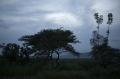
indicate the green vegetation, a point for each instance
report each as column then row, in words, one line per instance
column 68, row 68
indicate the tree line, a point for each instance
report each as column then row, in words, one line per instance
column 43, row 44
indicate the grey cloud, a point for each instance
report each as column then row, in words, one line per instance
column 2, row 24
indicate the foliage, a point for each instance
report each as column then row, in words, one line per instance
column 105, row 54
column 98, row 39
column 10, row 51
column 100, row 48
column 109, row 22
column 25, row 51
column 49, row 41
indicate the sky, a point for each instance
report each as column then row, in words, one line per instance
column 27, row 17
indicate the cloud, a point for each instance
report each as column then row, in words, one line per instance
column 103, row 6
column 57, row 12
column 63, row 19
column 2, row 24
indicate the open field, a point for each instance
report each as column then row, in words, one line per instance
column 67, row 69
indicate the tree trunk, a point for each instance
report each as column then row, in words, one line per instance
column 57, row 60
column 47, row 58
column 51, row 61
column 104, row 63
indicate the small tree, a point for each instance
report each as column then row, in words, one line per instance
column 49, row 41
column 109, row 22
column 10, row 51
column 24, row 52
column 100, row 48
column 99, row 20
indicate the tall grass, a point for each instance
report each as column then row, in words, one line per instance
column 70, row 68
column 20, row 70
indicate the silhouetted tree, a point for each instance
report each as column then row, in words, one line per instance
column 10, row 51
column 49, row 41
column 95, row 47
column 24, row 52
column 100, row 48
column 109, row 22
column 99, row 20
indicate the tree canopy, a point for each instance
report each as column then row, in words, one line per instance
column 49, row 41
column 10, row 51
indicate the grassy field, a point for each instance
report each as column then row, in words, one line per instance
column 67, row 69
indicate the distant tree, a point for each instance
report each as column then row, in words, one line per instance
column 104, row 53
column 10, row 51
column 94, row 43
column 109, row 22
column 24, row 52
column 49, row 41
column 99, row 20
column 100, row 48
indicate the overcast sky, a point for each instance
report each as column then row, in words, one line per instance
column 27, row 17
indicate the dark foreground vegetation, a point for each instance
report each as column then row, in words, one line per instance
column 68, row 69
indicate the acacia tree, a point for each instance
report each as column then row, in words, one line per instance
column 49, row 41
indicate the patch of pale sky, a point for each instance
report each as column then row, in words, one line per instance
column 65, row 19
